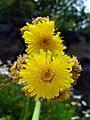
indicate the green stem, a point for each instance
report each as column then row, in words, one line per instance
column 36, row 113
column 26, row 109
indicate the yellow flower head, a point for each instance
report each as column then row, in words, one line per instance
column 76, row 69
column 45, row 75
column 62, row 96
column 17, row 66
column 42, row 35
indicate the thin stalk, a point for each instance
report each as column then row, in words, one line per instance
column 36, row 112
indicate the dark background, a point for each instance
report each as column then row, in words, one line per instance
column 71, row 20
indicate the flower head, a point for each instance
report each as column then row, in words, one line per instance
column 46, row 70
column 42, row 35
column 17, row 66
column 76, row 69
column 46, row 76
column 62, row 96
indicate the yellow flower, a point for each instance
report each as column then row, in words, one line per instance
column 42, row 35
column 76, row 69
column 17, row 66
column 62, row 96
column 35, row 22
column 45, row 75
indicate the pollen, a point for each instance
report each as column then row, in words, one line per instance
column 45, row 42
column 47, row 75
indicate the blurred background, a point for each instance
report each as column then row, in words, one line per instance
column 72, row 18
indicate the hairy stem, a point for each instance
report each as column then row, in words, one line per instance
column 36, row 112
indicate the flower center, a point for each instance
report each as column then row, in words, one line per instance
column 45, row 42
column 47, row 75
